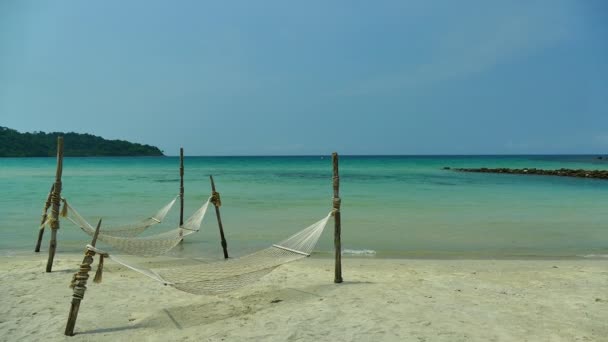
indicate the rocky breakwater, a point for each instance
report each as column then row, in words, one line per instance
column 601, row 174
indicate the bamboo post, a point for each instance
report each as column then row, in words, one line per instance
column 181, row 186
column 79, row 284
column 215, row 199
column 47, row 204
column 337, row 219
column 55, row 202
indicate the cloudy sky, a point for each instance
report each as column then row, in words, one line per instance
column 311, row 77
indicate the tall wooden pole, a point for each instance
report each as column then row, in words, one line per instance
column 217, row 203
column 79, row 283
column 55, row 202
column 47, row 205
column 181, row 186
column 337, row 220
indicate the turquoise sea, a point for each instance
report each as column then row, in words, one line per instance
column 392, row 206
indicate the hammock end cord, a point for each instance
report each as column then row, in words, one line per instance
column 98, row 275
column 102, row 256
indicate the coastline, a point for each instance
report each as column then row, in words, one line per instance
column 381, row 299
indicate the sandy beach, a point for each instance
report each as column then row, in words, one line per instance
column 380, row 300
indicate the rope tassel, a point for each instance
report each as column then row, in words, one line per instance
column 64, row 208
column 99, row 272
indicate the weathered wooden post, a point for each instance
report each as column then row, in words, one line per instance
column 181, row 186
column 55, row 202
column 79, row 283
column 337, row 222
column 47, row 204
column 217, row 203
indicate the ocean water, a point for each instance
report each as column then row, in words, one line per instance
column 392, row 206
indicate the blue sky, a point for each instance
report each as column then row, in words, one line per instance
column 311, row 77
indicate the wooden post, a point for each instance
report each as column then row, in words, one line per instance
column 47, row 204
column 217, row 203
column 79, row 283
column 337, row 220
column 181, row 186
column 181, row 195
column 55, row 202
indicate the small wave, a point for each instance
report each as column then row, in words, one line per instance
column 593, row 256
column 7, row 253
column 359, row 252
column 167, row 180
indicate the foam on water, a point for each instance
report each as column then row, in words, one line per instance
column 359, row 252
column 594, row 256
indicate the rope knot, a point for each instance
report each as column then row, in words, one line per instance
column 102, row 255
column 215, row 199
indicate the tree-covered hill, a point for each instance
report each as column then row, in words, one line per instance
column 41, row 144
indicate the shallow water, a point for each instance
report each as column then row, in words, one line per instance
column 402, row 206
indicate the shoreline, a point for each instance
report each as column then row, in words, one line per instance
column 367, row 254
column 380, row 299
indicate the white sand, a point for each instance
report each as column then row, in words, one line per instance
column 381, row 300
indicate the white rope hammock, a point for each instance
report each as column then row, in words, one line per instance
column 127, row 230
column 152, row 245
column 230, row 274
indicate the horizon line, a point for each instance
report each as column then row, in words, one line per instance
column 392, row 155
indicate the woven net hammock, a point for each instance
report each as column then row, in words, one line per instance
column 127, row 230
column 152, row 245
column 223, row 276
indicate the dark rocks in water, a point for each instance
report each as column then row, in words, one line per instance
column 600, row 157
column 601, row 174
column 447, row 168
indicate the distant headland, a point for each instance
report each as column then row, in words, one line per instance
column 602, row 174
column 41, row 144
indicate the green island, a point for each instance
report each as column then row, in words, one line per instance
column 41, row 144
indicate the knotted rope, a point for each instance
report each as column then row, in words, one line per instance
column 56, row 201
column 47, row 205
column 80, row 278
column 215, row 199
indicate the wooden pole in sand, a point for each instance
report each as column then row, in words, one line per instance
column 79, row 284
column 55, row 202
column 215, row 199
column 337, row 220
column 181, row 186
column 47, row 205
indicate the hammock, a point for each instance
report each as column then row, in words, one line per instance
column 128, row 230
column 223, row 276
column 152, row 245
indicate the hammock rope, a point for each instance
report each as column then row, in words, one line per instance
column 222, row 276
column 128, row 230
column 147, row 246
